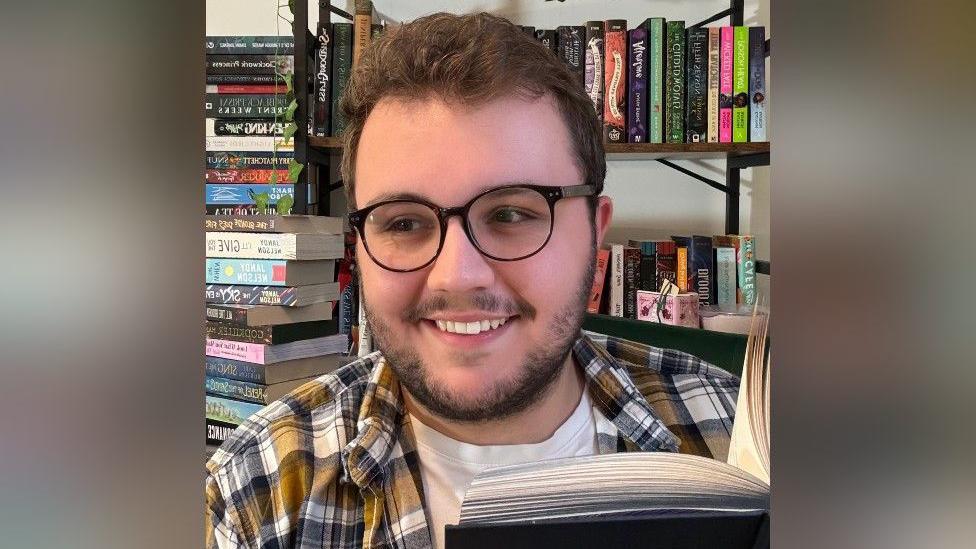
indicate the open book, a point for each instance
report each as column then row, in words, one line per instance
column 628, row 499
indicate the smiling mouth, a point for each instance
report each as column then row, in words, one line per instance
column 470, row 328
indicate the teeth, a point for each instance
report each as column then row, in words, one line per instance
column 470, row 328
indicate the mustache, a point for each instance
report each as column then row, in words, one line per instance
column 486, row 302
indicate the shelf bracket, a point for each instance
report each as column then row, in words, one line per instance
column 748, row 160
column 716, row 17
column 689, row 173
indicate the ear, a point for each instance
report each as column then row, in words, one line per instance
column 604, row 214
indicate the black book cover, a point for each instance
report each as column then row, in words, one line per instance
column 696, row 119
column 701, row 253
column 632, row 281
column 250, row 64
column 244, row 79
column 549, row 39
column 322, row 94
column 570, row 49
column 341, row 67
column 244, row 105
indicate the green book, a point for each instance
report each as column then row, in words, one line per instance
column 655, row 84
column 674, row 83
column 740, row 84
column 341, row 67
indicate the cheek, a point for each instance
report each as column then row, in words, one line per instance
column 387, row 292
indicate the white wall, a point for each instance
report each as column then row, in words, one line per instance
column 650, row 199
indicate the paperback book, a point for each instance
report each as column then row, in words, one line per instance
column 674, row 82
column 274, row 245
column 290, row 296
column 223, row 193
column 279, row 372
column 593, row 59
column 264, row 315
column 615, row 82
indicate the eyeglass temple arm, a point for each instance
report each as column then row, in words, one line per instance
column 578, row 190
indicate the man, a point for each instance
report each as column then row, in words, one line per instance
column 473, row 168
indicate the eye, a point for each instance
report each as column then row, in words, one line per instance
column 508, row 215
column 403, row 225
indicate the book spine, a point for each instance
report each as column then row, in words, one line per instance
column 224, row 313
column 248, row 143
column 701, row 248
column 232, row 126
column 616, row 280
column 233, row 209
column 322, row 90
column 250, row 45
column 725, row 276
column 681, row 268
column 757, row 84
column 250, row 64
column 570, row 44
column 549, row 39
column 696, row 120
column 243, row 177
column 362, row 29
column 593, row 73
column 249, row 79
column 615, row 82
column 674, row 83
column 241, row 105
column 665, row 263
column 725, row 86
column 235, row 369
column 244, row 160
column 218, row 194
column 236, row 389
column 746, row 268
column 632, row 258
column 656, row 82
column 252, row 272
column 714, row 70
column 230, row 410
column 740, row 85
column 250, row 295
column 251, row 245
column 218, row 431
column 637, row 91
column 648, row 267
column 600, row 273
column 246, row 88
column 236, row 350
column 341, row 67
column 270, row 335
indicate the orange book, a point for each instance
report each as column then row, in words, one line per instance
column 682, row 268
column 596, row 293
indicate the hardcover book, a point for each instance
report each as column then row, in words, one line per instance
column 714, row 72
column 648, row 268
column 615, row 82
column 322, row 90
column 221, row 193
column 637, row 90
column 250, row 45
column 602, row 258
column 725, row 271
column 725, row 86
column 665, row 262
column 274, row 245
column 745, row 263
column 362, row 29
column 548, row 39
column 291, row 296
column 271, row 334
column 274, row 373
column 632, row 258
column 570, row 44
column 245, row 160
column 245, row 177
column 269, row 272
column 268, row 354
column 224, row 415
column 740, row 85
column 674, row 83
column 232, row 126
column 268, row 315
column 341, row 68
column 247, row 79
column 696, row 120
column 757, row 84
column 593, row 73
column 246, row 88
column 274, row 224
column 244, row 105
column 248, row 143
column 250, row 64
column 701, row 259
column 684, row 270
column 616, row 301
column 655, row 83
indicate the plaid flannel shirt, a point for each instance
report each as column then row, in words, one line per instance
column 329, row 465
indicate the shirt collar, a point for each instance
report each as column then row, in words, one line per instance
column 607, row 382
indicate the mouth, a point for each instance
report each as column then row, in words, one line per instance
column 470, row 328
column 469, row 333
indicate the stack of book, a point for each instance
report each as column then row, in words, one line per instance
column 245, row 105
column 270, row 296
column 663, row 83
column 706, row 271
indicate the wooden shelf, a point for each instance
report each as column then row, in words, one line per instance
column 626, row 151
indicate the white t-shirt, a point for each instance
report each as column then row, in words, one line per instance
column 447, row 466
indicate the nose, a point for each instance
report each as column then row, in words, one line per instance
column 460, row 267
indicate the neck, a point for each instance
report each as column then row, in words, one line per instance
column 532, row 425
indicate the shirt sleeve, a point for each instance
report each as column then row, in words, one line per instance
column 220, row 530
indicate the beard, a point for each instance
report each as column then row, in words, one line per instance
column 504, row 398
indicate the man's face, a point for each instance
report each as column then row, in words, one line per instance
column 448, row 154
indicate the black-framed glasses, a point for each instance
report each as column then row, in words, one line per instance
column 506, row 223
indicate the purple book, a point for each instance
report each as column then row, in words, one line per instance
column 637, row 91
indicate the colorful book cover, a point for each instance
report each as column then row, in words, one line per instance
column 236, row 389
column 674, row 83
column 665, row 262
column 746, row 268
column 593, row 73
column 632, row 258
column 254, row 272
column 616, row 307
column 637, row 90
column 245, row 177
column 570, row 50
column 740, row 85
column 725, row 276
column 615, row 82
column 655, row 83
column 341, row 68
column 229, row 410
column 228, row 294
column 725, row 86
column 244, row 160
column 681, row 268
column 220, row 193
column 714, row 70
column 757, row 84
column 602, row 258
column 703, row 262
column 696, row 118
column 676, row 310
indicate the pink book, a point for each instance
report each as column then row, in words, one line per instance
column 725, row 87
column 236, row 350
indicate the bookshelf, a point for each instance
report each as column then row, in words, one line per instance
column 318, row 153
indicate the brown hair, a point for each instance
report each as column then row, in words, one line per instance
column 470, row 59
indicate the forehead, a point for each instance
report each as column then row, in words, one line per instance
column 448, row 152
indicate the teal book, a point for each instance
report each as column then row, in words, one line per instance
column 740, row 84
column 725, row 276
column 341, row 67
column 746, row 268
column 655, row 80
column 674, row 83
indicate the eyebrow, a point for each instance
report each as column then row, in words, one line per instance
column 424, row 198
